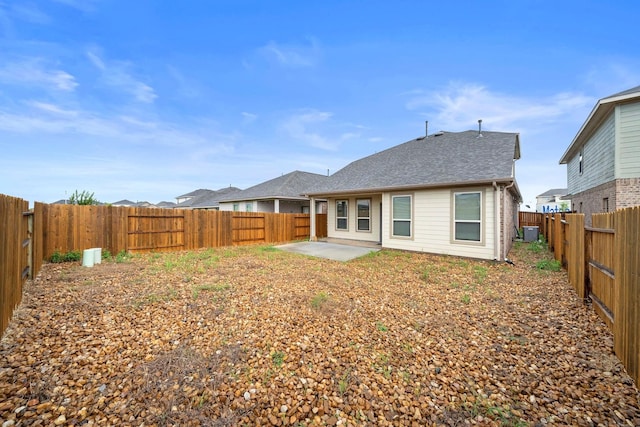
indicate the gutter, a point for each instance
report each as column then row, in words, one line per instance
column 504, row 213
column 496, row 220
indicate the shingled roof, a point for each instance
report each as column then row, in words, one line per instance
column 207, row 198
column 289, row 186
column 441, row 159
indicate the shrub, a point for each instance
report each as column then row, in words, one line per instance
column 551, row 265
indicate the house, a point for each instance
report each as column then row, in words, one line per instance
column 447, row 193
column 206, row 199
column 166, row 205
column 123, row 202
column 281, row 195
column 553, row 201
column 195, row 193
column 603, row 160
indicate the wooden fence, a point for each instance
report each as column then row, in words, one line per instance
column 72, row 227
column 603, row 265
column 14, row 254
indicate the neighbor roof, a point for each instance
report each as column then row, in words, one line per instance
column 600, row 112
column 207, row 198
column 212, row 199
column 194, row 193
column 555, row 192
column 290, row 186
column 441, row 159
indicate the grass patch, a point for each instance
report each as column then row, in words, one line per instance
column 277, row 357
column 70, row 256
column 549, row 265
column 154, row 298
column 209, row 288
column 122, row 256
column 381, row 327
column 319, row 300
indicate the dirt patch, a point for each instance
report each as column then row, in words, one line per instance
column 255, row 336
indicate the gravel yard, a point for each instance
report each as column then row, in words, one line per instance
column 258, row 336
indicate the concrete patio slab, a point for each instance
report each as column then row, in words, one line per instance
column 333, row 251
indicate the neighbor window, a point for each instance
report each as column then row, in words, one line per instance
column 580, row 164
column 236, row 207
column 401, row 216
column 468, row 216
column 248, row 207
column 605, row 204
column 364, row 214
column 341, row 215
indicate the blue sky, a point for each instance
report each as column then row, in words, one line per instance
column 147, row 100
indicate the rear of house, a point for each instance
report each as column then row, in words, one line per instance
column 449, row 193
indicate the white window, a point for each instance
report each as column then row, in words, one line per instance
column 580, row 164
column 401, row 216
column 342, row 215
column 248, row 207
column 364, row 214
column 236, row 207
column 468, row 216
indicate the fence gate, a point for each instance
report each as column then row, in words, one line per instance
column 158, row 232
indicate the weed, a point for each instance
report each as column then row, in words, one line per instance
column 170, row 295
column 122, row 256
column 66, row 257
column 106, row 254
column 381, row 327
column 319, row 299
column 207, row 288
column 551, row 265
column 538, row 246
column 343, row 383
column 466, row 299
column 480, row 273
column 278, row 358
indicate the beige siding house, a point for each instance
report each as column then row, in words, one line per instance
column 283, row 194
column 450, row 193
column 603, row 160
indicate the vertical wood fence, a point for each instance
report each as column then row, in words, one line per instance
column 603, row 265
column 14, row 250
column 72, row 227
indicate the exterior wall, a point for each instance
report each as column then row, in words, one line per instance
column 628, row 147
column 598, row 160
column 432, row 225
column 351, row 233
column 627, row 193
column 510, row 208
column 591, row 201
column 225, row 206
column 293, row 206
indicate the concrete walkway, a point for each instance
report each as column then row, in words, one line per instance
column 333, row 251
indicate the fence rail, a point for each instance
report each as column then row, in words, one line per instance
column 603, row 265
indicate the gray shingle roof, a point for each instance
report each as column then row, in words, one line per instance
column 554, row 192
column 194, row 193
column 444, row 158
column 212, row 199
column 290, row 186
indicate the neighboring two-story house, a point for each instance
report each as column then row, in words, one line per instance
column 553, row 200
column 603, row 160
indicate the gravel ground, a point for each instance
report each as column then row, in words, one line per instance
column 257, row 336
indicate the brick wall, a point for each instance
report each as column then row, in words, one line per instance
column 627, row 192
column 592, row 200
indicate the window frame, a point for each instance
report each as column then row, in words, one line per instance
column 480, row 221
column 248, row 207
column 236, row 207
column 367, row 218
column 394, row 219
column 581, row 162
column 345, row 218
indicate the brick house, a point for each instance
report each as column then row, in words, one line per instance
column 603, row 160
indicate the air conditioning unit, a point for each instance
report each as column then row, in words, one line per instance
column 531, row 233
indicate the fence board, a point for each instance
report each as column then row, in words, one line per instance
column 626, row 327
column 575, row 253
column 530, row 219
column 14, row 248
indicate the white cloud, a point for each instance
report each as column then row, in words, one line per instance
column 34, row 72
column 52, row 108
column 82, row 5
column 248, row 117
column 460, row 105
column 300, row 128
column 293, row 55
column 117, row 74
column 29, row 12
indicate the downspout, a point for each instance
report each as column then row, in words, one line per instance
column 496, row 220
column 312, row 220
column 504, row 213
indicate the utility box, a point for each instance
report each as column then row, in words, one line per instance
column 531, row 233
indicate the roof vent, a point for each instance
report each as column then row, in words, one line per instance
column 479, row 128
column 440, row 133
column 426, row 128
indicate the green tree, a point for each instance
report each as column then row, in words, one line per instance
column 83, row 198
